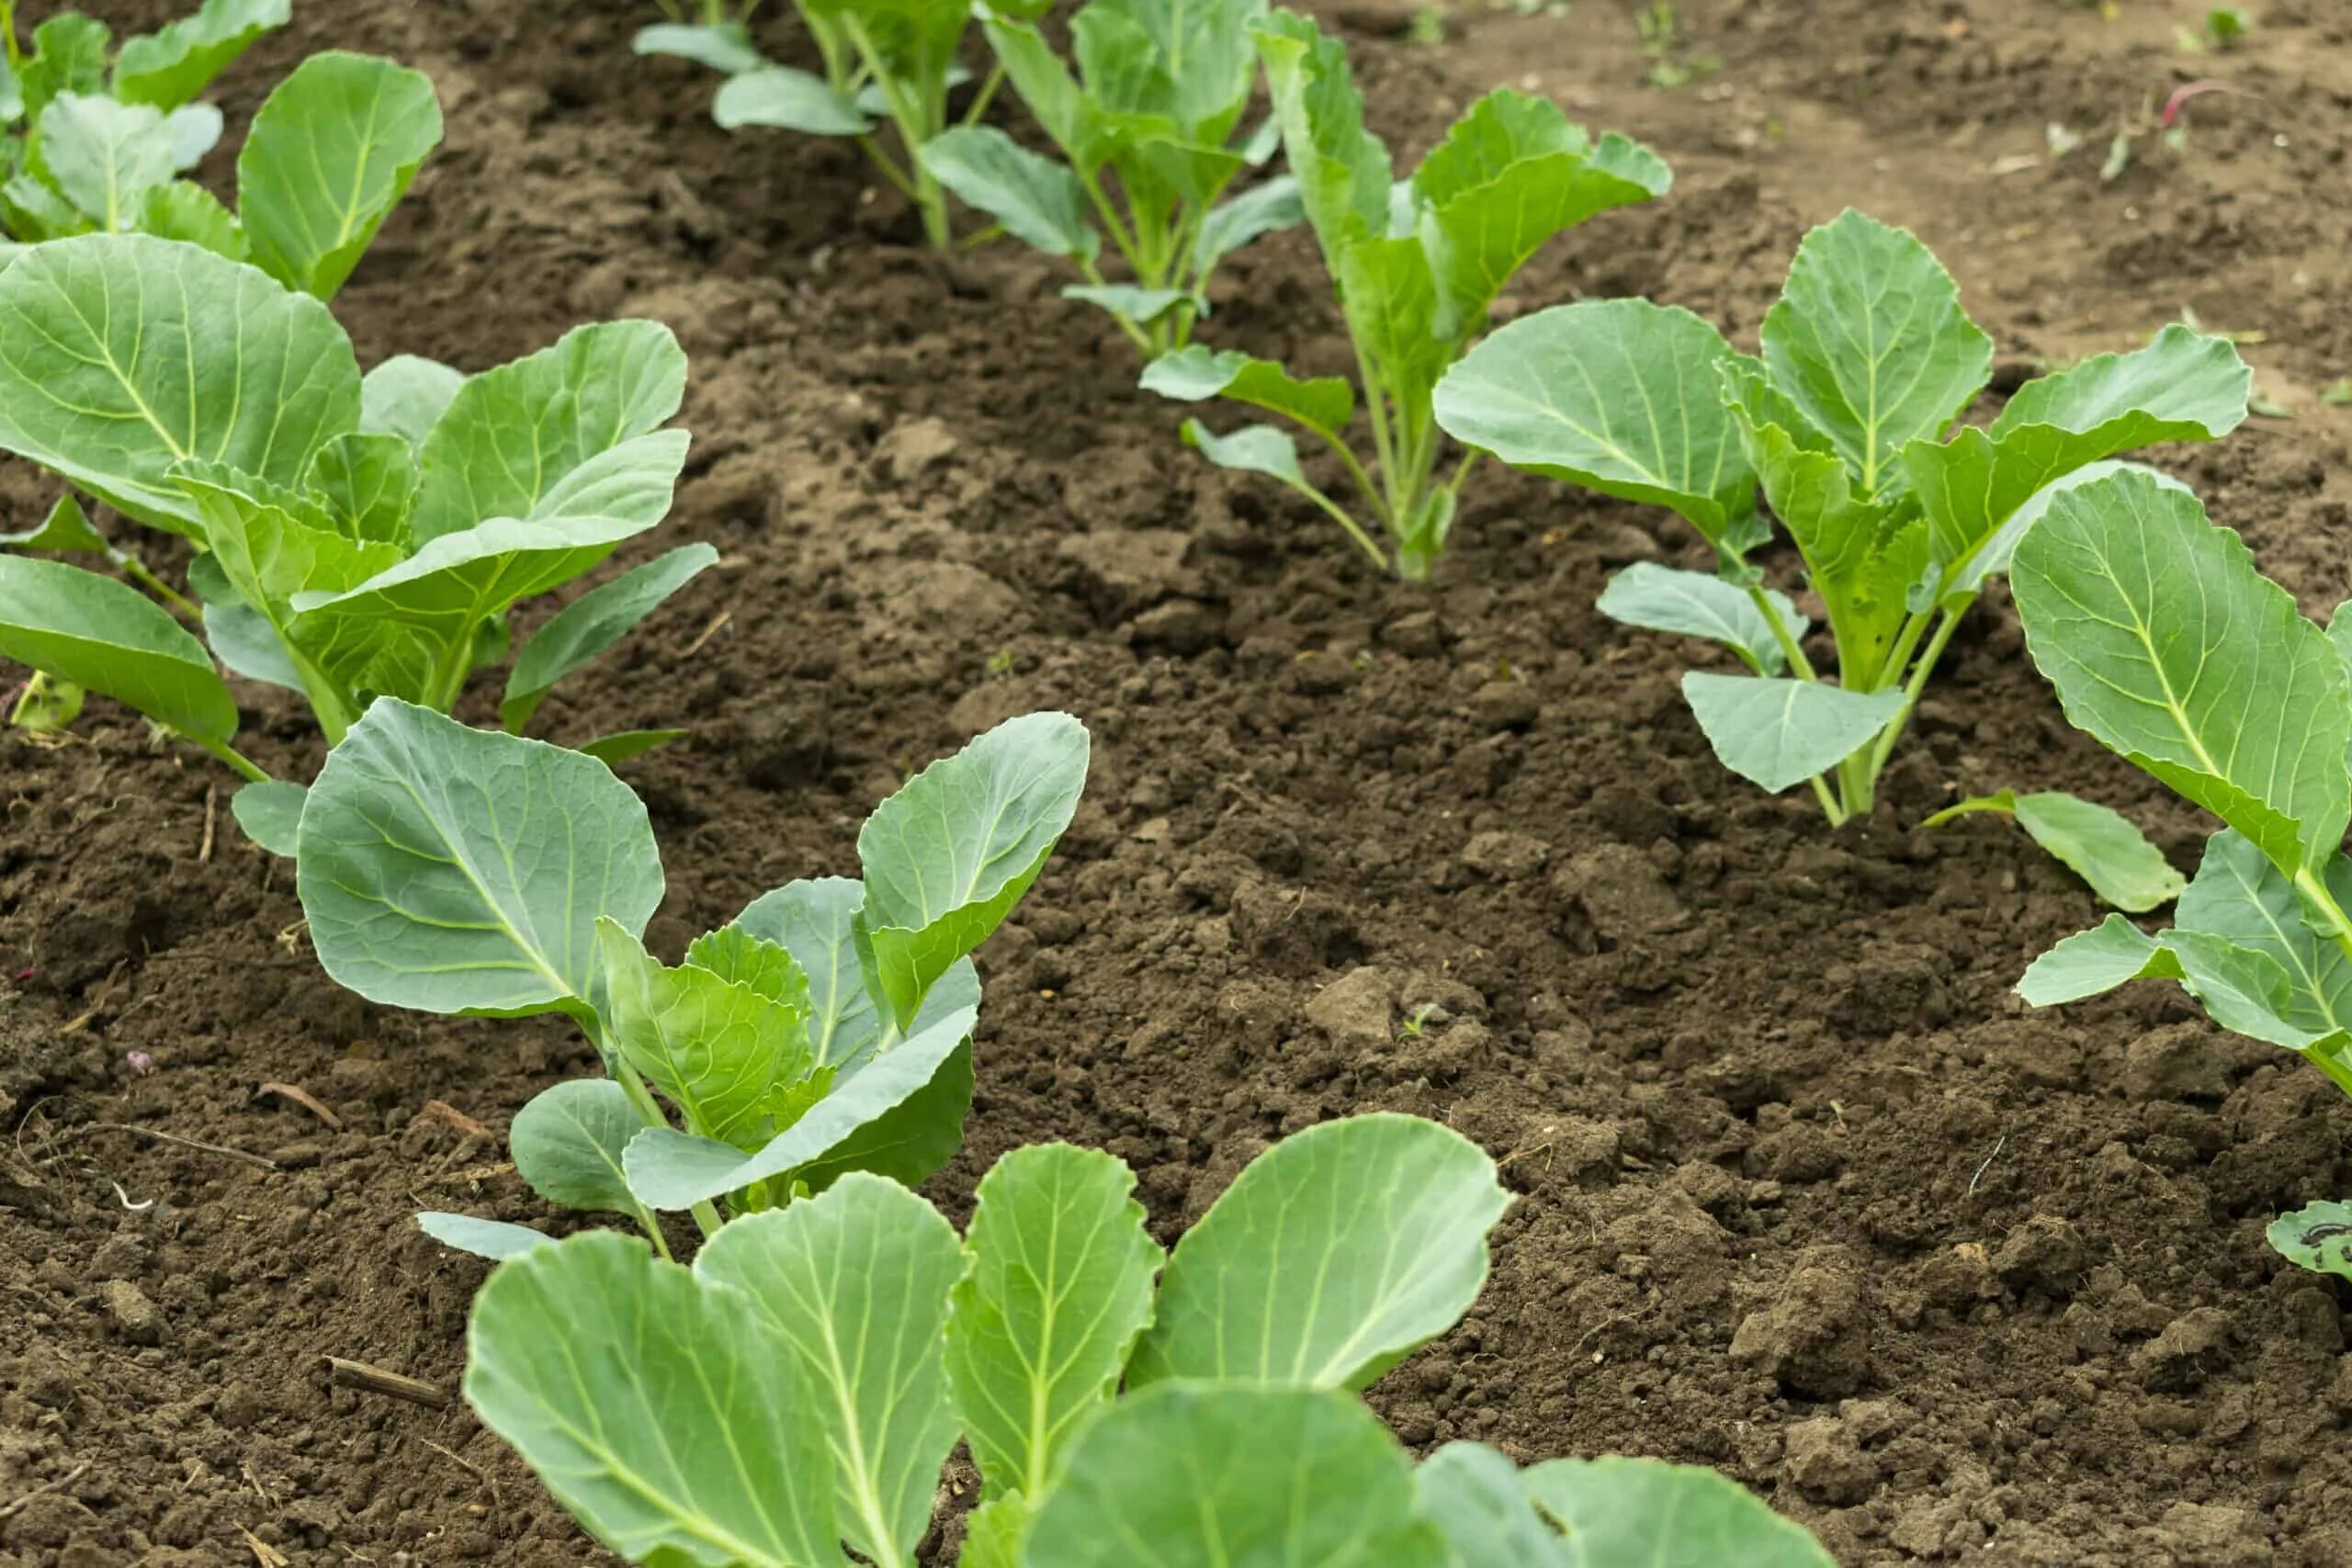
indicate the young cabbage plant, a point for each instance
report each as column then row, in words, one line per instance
column 883, row 61
column 2168, row 647
column 329, row 153
column 826, row 1028
column 1148, row 132
column 1847, row 421
column 1416, row 264
column 360, row 535
column 1193, row 1409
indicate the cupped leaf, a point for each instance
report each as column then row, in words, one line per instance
column 406, row 396
column 1697, row 603
column 1870, row 341
column 1189, row 375
column 122, row 354
column 1039, row 201
column 852, row 1285
column 513, row 437
column 1059, row 1287
column 494, row 1239
column 2097, row 842
column 1620, row 396
column 1474, row 1493
column 1783, row 731
column 659, row 1412
column 718, row 1049
column 593, row 623
column 1333, row 1256
column 567, row 1143
column 186, row 211
column 816, row 921
column 2166, row 645
column 456, row 871
column 948, row 855
column 106, row 156
column 788, row 99
column 1665, row 1516
column 367, row 483
column 2317, row 1236
column 670, row 1169
column 271, row 814
column 331, row 153
column 725, row 47
column 108, row 637
column 1191, row 1475
column 171, row 65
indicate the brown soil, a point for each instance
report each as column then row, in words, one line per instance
column 1806, row 1193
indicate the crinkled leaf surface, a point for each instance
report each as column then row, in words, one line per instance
column 1333, row 1256
column 368, row 483
column 718, row 1049
column 1783, row 731
column 1060, row 1285
column 458, row 870
column 2166, row 645
column 852, row 1286
column 122, row 354
column 331, row 153
column 106, row 636
column 660, row 1414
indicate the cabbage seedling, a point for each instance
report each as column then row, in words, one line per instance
column 1847, row 421
column 329, row 153
column 1192, row 1410
column 1153, row 115
column 2168, row 647
column 884, row 60
column 361, row 535
column 1416, row 264
column 826, row 1028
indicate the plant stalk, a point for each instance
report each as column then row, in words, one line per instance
column 245, row 767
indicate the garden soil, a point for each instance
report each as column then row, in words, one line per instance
column 1804, row 1191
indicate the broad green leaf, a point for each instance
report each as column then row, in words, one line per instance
column 786, row 99
column 1699, row 603
column 195, row 129
column 1325, row 404
column 1342, row 168
column 2097, row 842
column 2244, row 989
column 406, row 396
column 2166, row 645
column 1039, row 201
column 1334, row 1255
column 1205, row 53
column 67, row 529
column 1233, row 224
column 168, row 67
column 908, row 1141
column 243, row 639
column 1620, row 396
column 994, row 1531
column 1059, row 1287
column 947, row 857
column 1252, row 449
column 2181, row 387
column 458, row 870
column 854, row 1286
column 271, row 543
column 1664, row 1516
column 620, row 746
column 1194, row 1475
column 367, row 483
column 512, row 435
column 815, row 920
column 717, row 1050
column 1992, row 557
column 69, row 56
column 1475, row 1496
column 331, row 153
column 670, row 1169
column 2339, row 630
column 913, row 42
column 725, row 47
column 121, row 354
column 1044, row 84
column 567, row 1143
column 659, row 1415
column 106, row 156
column 1870, row 341
column 2317, row 1236
column 271, row 815
column 593, row 623
column 1141, row 306
column 2239, row 896
column 2091, row 962
column 183, row 210
column 1157, row 167
column 108, row 637
column 494, row 1239
column 1783, row 731
column 1392, row 305
column 34, row 212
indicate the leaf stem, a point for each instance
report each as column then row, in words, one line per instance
column 1135, row 333
column 641, row 1097
column 1355, row 530
column 988, row 86
column 2316, row 893
column 136, row 569
column 1925, row 667
column 245, row 767
column 1790, row 649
